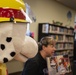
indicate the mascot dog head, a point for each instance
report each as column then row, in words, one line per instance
column 13, row 41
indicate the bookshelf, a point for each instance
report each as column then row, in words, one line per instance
column 63, row 35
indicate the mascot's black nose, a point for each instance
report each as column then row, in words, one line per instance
column 5, row 60
column 12, row 54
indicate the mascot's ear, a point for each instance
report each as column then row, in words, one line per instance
column 7, row 51
column 28, row 50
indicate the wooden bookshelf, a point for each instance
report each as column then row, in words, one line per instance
column 63, row 35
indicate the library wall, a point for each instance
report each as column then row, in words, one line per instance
column 48, row 10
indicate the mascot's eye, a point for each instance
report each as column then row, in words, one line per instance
column 2, row 46
column 8, row 39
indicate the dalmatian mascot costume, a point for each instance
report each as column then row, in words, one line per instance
column 14, row 44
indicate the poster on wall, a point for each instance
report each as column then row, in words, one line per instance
column 45, row 28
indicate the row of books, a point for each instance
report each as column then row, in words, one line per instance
column 62, row 38
column 64, row 52
column 48, row 29
column 60, row 46
column 69, row 39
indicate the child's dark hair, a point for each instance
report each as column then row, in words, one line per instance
column 45, row 41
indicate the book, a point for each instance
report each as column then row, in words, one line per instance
column 58, row 65
column 51, row 65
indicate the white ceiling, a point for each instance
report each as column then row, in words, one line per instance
column 69, row 3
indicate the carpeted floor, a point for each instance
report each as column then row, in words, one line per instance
column 17, row 73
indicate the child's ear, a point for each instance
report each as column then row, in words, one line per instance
column 43, row 47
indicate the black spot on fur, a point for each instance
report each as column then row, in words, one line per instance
column 12, row 54
column 2, row 46
column 5, row 60
column 8, row 39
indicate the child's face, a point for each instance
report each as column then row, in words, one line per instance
column 50, row 49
